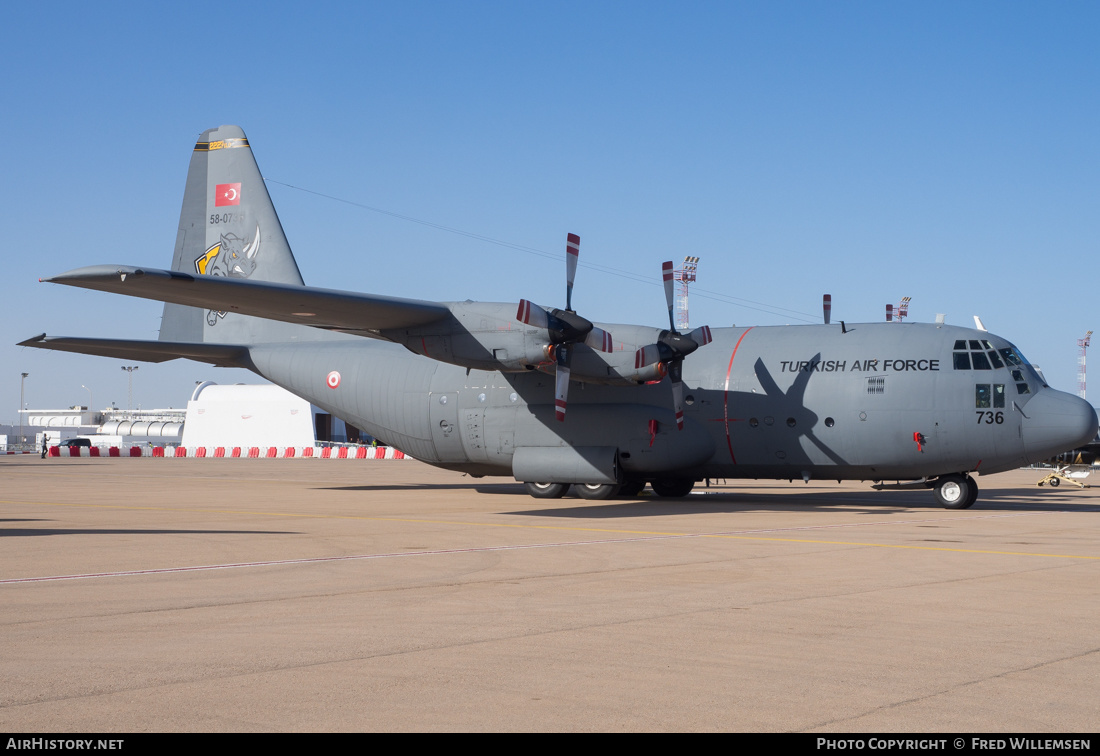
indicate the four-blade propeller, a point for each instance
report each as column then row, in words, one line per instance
column 564, row 328
column 671, row 348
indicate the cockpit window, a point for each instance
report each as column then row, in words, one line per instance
column 1021, row 382
column 962, row 360
column 980, row 361
column 1011, row 357
column 996, row 359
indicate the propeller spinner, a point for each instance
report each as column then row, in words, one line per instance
column 564, row 328
column 671, row 348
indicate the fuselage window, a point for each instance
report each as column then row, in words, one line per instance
column 980, row 361
column 962, row 360
column 981, row 396
column 998, row 395
column 1021, row 388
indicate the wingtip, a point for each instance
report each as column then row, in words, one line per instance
column 33, row 340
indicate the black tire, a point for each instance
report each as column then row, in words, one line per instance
column 953, row 491
column 546, row 490
column 631, row 488
column 1054, row 482
column 595, row 490
column 973, row 497
column 672, row 488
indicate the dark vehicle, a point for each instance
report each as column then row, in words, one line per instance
column 76, row 442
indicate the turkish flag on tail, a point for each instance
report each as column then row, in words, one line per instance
column 227, row 194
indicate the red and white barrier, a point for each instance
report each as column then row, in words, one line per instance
column 234, row 452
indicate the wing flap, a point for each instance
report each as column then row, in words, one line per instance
column 329, row 309
column 218, row 355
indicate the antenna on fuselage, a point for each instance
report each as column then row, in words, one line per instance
column 827, row 307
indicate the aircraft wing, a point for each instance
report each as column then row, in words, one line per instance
column 218, row 355
column 330, row 309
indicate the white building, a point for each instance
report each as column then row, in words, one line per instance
column 247, row 416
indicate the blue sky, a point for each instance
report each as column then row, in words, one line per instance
column 944, row 151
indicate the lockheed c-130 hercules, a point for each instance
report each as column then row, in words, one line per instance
column 553, row 400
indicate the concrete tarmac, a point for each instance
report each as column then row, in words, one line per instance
column 336, row 595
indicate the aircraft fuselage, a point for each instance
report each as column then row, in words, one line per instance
column 867, row 401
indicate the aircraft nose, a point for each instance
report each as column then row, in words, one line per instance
column 1054, row 422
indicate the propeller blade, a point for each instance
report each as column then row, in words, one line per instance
column 676, row 375
column 646, row 356
column 701, row 335
column 561, row 381
column 572, row 253
column 599, row 339
column 827, row 306
column 666, row 273
column 532, row 314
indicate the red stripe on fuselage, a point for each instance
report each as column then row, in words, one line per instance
column 726, row 397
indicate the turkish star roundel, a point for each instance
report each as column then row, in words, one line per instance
column 227, row 194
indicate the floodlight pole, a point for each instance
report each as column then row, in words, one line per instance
column 130, row 385
column 23, row 377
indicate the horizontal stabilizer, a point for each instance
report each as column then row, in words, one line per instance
column 362, row 314
column 218, row 355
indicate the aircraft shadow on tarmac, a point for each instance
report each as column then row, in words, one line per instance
column 415, row 487
column 863, row 502
column 714, row 500
column 24, row 532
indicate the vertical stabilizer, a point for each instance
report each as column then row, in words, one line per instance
column 228, row 227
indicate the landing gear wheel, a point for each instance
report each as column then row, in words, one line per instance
column 955, row 491
column 1054, row 482
column 546, row 490
column 631, row 488
column 973, row 497
column 596, row 490
column 672, row 488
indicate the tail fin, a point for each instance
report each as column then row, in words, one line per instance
column 228, row 227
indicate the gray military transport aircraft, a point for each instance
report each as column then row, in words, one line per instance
column 484, row 387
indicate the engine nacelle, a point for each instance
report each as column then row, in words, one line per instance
column 487, row 336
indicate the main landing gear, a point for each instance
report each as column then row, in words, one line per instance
column 674, row 488
column 956, row 491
